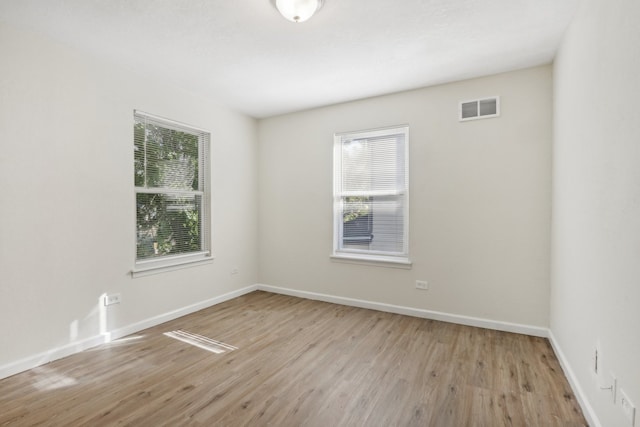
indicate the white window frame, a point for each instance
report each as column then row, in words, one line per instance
column 351, row 255
column 145, row 267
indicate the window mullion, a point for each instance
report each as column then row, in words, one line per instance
column 160, row 190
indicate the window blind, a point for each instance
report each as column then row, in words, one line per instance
column 171, row 178
column 371, row 192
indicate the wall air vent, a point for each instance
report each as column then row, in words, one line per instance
column 479, row 108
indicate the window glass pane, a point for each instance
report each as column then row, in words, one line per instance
column 388, row 224
column 165, row 158
column 371, row 192
column 167, row 224
column 373, row 164
column 172, row 199
column 357, row 215
column 139, row 154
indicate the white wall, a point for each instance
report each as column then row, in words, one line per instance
column 67, row 215
column 480, row 200
column 596, row 201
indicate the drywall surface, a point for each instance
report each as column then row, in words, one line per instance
column 479, row 200
column 595, row 293
column 67, row 216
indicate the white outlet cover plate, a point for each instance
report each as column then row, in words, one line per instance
column 111, row 299
column 422, row 284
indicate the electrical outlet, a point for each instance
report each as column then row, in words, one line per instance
column 112, row 299
column 422, row 284
column 628, row 408
column 596, row 360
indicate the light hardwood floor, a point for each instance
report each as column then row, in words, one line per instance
column 300, row 363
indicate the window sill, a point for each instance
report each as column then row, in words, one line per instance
column 373, row 260
column 156, row 266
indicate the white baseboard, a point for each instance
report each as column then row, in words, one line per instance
column 415, row 312
column 165, row 317
column 587, row 409
column 49, row 356
column 78, row 346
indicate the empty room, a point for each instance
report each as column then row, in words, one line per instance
column 320, row 213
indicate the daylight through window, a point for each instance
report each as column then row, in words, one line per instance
column 172, row 203
column 371, row 194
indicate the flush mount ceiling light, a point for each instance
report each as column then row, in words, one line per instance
column 298, row 10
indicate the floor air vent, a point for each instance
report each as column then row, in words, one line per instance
column 479, row 109
column 200, row 341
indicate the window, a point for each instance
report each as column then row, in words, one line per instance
column 172, row 201
column 371, row 195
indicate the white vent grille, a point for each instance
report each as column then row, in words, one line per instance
column 200, row 341
column 479, row 108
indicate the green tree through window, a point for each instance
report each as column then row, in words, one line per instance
column 170, row 188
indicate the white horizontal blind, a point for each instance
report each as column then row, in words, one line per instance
column 371, row 192
column 170, row 176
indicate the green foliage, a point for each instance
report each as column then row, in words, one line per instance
column 158, row 150
column 192, row 225
column 354, row 207
column 167, row 222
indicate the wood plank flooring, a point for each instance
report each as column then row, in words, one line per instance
column 300, row 363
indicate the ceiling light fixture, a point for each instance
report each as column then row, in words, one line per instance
column 298, row 10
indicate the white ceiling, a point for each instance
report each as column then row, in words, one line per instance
column 244, row 54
